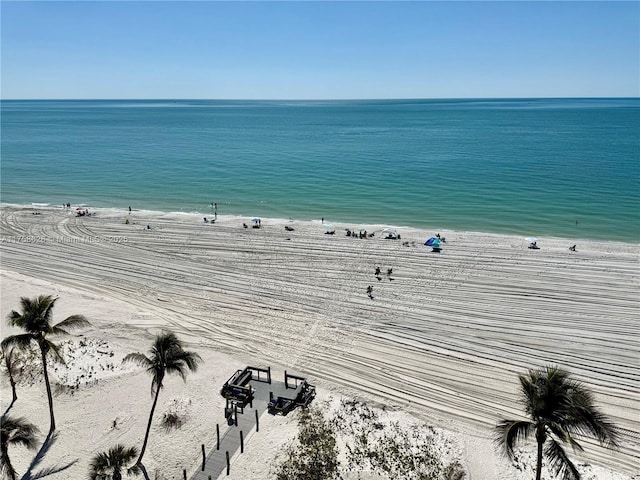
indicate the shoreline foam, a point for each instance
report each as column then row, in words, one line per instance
column 197, row 217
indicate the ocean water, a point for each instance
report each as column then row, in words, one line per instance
column 561, row 167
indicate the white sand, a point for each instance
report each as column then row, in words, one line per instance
column 443, row 341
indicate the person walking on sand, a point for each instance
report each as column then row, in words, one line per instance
column 129, row 210
column 370, row 291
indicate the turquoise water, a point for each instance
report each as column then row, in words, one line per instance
column 561, row 167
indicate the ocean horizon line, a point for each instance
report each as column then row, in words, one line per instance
column 328, row 99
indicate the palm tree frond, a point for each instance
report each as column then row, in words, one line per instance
column 15, row 319
column 134, row 470
column 588, row 420
column 18, row 431
column 559, row 461
column 107, row 465
column 560, row 431
column 509, row 433
column 21, row 341
column 179, row 361
column 139, row 359
column 73, row 321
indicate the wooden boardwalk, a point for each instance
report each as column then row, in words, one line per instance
column 216, row 461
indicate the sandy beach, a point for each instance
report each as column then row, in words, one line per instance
column 442, row 341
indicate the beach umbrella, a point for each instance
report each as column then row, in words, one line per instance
column 390, row 232
column 433, row 242
column 531, row 239
column 255, row 219
column 327, row 225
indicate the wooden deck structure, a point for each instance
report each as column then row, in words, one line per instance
column 248, row 393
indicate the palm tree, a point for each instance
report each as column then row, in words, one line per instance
column 109, row 465
column 35, row 319
column 11, row 364
column 166, row 356
column 14, row 431
column 559, row 408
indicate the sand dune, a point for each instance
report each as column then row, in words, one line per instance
column 444, row 336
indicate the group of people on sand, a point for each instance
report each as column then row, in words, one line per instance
column 378, row 274
column 534, row 246
column 361, row 234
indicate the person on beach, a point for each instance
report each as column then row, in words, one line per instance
column 370, row 291
column 573, row 249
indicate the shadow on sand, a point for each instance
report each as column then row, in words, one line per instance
column 49, row 441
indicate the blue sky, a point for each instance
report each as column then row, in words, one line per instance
column 319, row 50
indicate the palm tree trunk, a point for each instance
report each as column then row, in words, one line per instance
column 13, row 390
column 46, row 382
column 146, row 436
column 541, row 437
column 15, row 395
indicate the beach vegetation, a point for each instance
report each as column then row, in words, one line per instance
column 109, row 465
column 367, row 443
column 14, row 431
column 314, row 456
column 392, row 450
column 560, row 410
column 35, row 319
column 166, row 356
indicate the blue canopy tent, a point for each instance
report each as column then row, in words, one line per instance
column 434, row 243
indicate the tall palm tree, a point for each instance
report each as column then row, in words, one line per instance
column 14, row 431
column 11, row 368
column 165, row 357
column 109, row 465
column 559, row 408
column 35, row 319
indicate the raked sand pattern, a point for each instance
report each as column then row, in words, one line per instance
column 443, row 338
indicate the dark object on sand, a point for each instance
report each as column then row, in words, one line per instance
column 302, row 397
